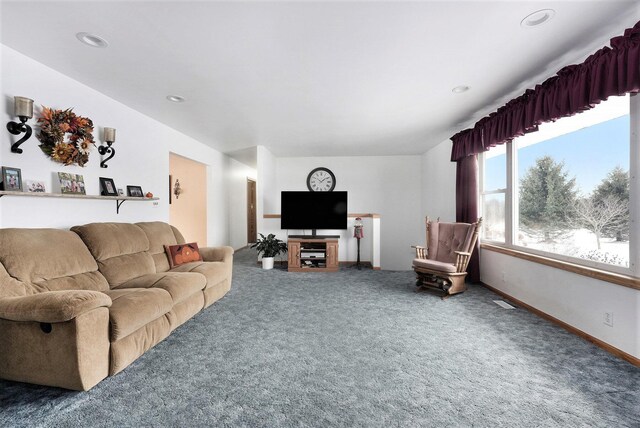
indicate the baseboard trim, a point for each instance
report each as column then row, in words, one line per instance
column 571, row 329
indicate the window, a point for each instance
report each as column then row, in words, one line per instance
column 570, row 191
column 494, row 185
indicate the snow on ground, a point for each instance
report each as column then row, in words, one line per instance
column 582, row 243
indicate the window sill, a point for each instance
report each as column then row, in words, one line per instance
column 603, row 275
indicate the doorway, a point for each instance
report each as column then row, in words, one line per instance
column 188, row 209
column 252, row 232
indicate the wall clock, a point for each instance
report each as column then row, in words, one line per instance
column 321, row 180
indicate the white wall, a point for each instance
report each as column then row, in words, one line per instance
column 575, row 299
column 439, row 183
column 237, row 174
column 142, row 156
column 266, row 182
column 386, row 185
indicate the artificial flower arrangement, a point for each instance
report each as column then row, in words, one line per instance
column 54, row 125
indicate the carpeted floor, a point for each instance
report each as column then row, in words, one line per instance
column 354, row 348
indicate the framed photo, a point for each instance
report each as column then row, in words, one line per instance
column 135, row 191
column 108, row 187
column 11, row 179
column 71, row 184
column 33, row 186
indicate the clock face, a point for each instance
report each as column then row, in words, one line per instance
column 321, row 180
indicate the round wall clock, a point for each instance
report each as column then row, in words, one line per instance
column 321, row 180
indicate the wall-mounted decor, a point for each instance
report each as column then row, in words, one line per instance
column 11, row 179
column 135, row 191
column 71, row 184
column 321, row 180
column 109, row 138
column 177, row 190
column 65, row 137
column 23, row 108
column 108, row 187
column 33, row 186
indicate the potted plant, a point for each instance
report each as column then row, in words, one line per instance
column 269, row 246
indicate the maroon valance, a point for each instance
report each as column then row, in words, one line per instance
column 610, row 71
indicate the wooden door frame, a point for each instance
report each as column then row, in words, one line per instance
column 252, row 212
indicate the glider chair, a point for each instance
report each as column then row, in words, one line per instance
column 442, row 264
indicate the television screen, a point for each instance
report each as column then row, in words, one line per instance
column 313, row 210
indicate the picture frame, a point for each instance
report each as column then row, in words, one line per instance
column 11, row 179
column 135, row 192
column 71, row 184
column 108, row 187
column 35, row 186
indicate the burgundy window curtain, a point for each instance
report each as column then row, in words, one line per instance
column 467, row 205
column 610, row 71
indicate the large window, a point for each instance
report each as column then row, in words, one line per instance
column 568, row 189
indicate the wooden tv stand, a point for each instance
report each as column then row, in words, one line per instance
column 316, row 254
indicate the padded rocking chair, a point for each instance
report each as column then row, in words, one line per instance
column 442, row 265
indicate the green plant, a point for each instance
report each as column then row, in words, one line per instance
column 269, row 246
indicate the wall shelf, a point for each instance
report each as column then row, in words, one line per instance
column 119, row 199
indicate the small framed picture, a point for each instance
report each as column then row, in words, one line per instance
column 120, row 191
column 11, row 179
column 71, row 184
column 135, row 191
column 108, row 187
column 33, row 186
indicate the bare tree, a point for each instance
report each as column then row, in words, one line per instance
column 598, row 215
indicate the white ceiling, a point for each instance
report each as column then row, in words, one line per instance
column 312, row 78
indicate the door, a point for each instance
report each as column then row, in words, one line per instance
column 293, row 248
column 252, row 232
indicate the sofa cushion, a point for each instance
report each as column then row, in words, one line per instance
column 159, row 234
column 47, row 260
column 121, row 250
column 180, row 254
column 434, row 265
column 133, row 308
column 447, row 238
column 180, row 286
column 215, row 272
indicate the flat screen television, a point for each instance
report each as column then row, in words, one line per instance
column 313, row 210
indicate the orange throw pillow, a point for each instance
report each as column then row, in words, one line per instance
column 182, row 253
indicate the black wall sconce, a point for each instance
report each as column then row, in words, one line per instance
column 177, row 190
column 23, row 108
column 109, row 138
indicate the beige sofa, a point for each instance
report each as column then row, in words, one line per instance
column 77, row 306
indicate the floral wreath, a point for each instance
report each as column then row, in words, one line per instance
column 54, row 125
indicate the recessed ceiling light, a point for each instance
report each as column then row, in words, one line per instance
column 538, row 17
column 175, row 98
column 460, row 89
column 92, row 40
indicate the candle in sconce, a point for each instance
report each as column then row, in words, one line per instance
column 109, row 135
column 23, row 107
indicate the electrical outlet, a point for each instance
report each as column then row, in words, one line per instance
column 608, row 319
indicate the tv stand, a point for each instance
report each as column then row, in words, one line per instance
column 313, row 254
column 314, row 236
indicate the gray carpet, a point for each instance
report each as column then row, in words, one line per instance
column 354, row 348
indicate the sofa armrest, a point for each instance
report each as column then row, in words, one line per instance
column 52, row 306
column 217, row 254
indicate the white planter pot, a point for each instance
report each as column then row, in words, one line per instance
column 267, row 263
